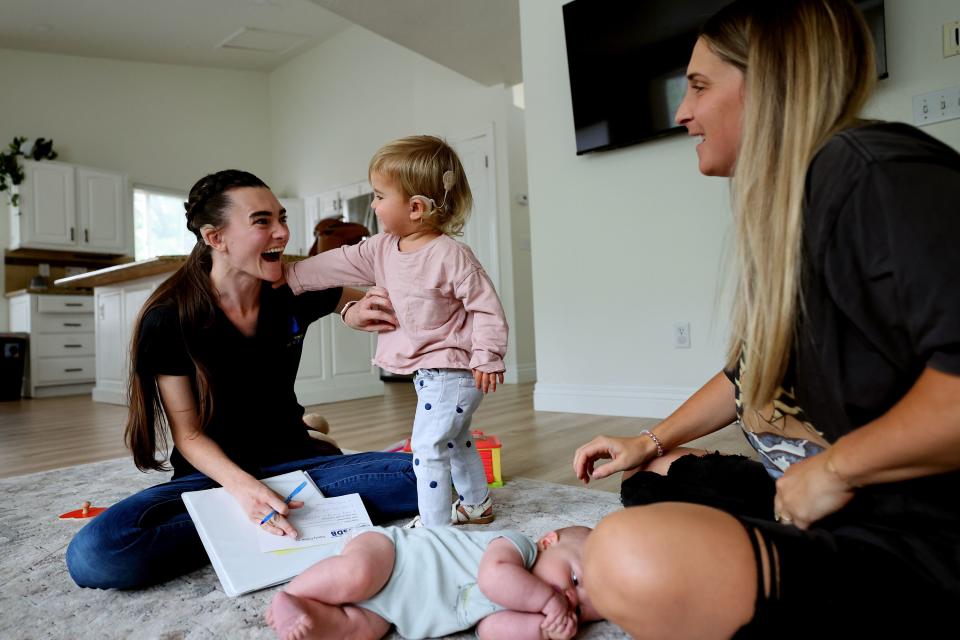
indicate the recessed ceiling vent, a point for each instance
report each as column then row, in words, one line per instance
column 262, row 40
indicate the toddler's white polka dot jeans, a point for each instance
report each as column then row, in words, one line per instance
column 442, row 445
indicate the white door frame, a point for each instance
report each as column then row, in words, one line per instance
column 492, row 229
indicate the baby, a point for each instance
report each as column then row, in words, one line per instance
column 431, row 582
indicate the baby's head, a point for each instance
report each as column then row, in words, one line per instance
column 429, row 174
column 559, row 564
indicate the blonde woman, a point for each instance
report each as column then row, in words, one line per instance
column 843, row 368
column 450, row 328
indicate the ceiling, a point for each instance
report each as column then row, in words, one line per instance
column 477, row 38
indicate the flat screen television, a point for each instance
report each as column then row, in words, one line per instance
column 628, row 59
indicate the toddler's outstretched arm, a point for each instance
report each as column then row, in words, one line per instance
column 350, row 265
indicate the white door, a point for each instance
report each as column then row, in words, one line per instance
column 102, row 209
column 480, row 232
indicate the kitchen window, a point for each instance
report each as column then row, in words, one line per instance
column 159, row 224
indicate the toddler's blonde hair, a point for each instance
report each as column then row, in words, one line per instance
column 418, row 163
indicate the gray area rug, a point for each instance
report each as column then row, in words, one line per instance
column 39, row 600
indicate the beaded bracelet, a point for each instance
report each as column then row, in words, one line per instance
column 656, row 440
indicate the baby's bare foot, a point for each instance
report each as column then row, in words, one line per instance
column 269, row 613
column 289, row 617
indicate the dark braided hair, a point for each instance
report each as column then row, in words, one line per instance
column 208, row 199
column 190, row 291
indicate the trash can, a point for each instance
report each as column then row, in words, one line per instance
column 13, row 355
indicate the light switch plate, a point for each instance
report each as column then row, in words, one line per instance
column 951, row 39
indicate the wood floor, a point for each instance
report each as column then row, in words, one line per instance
column 50, row 433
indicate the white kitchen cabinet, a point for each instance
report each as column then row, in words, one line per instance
column 336, row 362
column 330, row 204
column 65, row 207
column 61, row 347
column 104, row 214
column 117, row 307
column 296, row 223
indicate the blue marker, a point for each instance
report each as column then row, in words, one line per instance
column 285, row 501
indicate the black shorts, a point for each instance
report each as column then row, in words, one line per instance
column 837, row 579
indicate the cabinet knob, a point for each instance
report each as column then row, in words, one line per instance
column 72, row 238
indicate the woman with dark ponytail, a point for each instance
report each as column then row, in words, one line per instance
column 214, row 357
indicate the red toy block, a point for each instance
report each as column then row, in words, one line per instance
column 489, row 448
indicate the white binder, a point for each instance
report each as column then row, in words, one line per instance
column 231, row 539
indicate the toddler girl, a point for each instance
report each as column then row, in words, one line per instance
column 451, row 328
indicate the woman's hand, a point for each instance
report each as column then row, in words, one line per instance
column 373, row 312
column 809, row 491
column 624, row 454
column 257, row 500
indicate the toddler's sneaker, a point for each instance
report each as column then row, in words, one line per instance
column 473, row 513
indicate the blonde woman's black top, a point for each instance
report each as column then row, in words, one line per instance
column 880, row 303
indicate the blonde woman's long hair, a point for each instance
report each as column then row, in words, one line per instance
column 418, row 164
column 809, row 69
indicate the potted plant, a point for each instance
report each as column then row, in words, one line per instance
column 11, row 173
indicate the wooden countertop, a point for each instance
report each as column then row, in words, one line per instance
column 132, row 271
column 124, row 272
column 52, row 291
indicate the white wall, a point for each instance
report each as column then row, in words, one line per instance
column 163, row 125
column 332, row 107
column 627, row 242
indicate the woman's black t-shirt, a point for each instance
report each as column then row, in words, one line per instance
column 256, row 418
column 881, row 302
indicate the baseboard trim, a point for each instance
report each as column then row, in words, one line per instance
column 78, row 389
column 522, row 374
column 318, row 393
column 109, row 396
column 639, row 402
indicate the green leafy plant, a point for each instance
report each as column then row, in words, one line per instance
column 11, row 173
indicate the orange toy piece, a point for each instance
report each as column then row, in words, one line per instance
column 85, row 511
column 489, row 449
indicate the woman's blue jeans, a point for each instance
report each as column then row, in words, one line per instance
column 149, row 537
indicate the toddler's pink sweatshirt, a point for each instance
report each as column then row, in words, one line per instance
column 449, row 313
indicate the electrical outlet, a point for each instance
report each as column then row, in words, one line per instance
column 951, row 39
column 681, row 335
column 936, row 106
